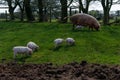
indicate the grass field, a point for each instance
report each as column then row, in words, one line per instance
column 93, row 46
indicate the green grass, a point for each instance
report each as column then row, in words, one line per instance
column 94, row 46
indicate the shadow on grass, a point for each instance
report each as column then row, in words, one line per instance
column 59, row 47
column 56, row 48
column 68, row 46
column 83, row 30
column 22, row 59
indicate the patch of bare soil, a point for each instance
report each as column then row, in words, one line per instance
column 72, row 71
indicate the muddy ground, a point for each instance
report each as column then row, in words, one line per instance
column 48, row 71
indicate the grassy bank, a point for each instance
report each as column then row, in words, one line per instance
column 94, row 46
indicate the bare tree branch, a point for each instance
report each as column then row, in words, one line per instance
column 70, row 3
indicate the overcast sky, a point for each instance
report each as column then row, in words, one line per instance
column 93, row 6
column 98, row 6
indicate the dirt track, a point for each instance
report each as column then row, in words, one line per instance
column 72, row 71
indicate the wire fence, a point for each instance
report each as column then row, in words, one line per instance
column 4, row 15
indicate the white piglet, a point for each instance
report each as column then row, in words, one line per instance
column 32, row 46
column 78, row 27
column 70, row 41
column 58, row 42
column 22, row 50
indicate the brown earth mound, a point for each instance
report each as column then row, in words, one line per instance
column 72, row 71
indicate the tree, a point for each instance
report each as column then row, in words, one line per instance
column 40, row 12
column 84, row 5
column 21, row 6
column 55, row 7
column 106, row 4
column 28, row 10
column 46, row 9
column 64, row 7
column 51, row 9
column 12, row 5
column 63, row 10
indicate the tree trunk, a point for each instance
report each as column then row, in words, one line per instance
column 70, row 12
column 106, row 4
column 22, row 16
column 11, row 11
column 63, row 10
column 21, row 6
column 80, row 9
column 50, row 14
column 40, row 12
column 45, row 19
column 83, row 8
column 106, row 17
column 12, row 5
column 28, row 11
column 6, row 15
